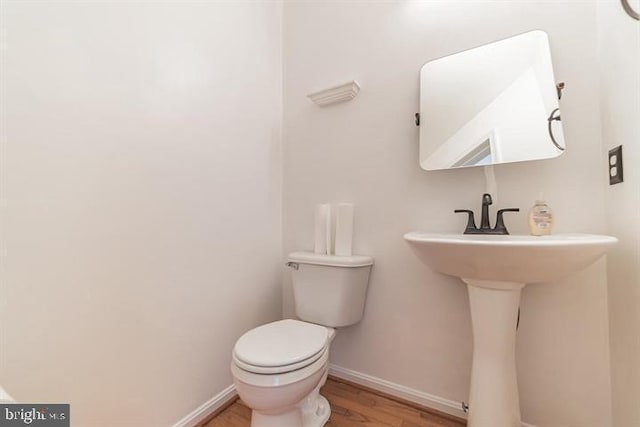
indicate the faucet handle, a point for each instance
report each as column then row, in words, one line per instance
column 500, row 227
column 471, row 222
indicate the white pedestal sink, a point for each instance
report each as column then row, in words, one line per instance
column 495, row 269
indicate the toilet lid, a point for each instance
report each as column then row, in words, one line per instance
column 280, row 344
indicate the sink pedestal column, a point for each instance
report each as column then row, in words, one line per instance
column 493, row 398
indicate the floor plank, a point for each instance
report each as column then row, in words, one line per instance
column 351, row 406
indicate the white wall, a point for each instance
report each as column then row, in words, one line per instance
column 619, row 53
column 141, row 207
column 416, row 330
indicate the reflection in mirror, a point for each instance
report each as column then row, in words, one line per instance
column 489, row 105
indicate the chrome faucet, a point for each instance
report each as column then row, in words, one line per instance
column 485, row 226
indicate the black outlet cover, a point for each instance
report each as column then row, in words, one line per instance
column 615, row 165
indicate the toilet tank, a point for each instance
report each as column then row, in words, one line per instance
column 329, row 290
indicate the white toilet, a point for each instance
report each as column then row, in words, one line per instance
column 278, row 368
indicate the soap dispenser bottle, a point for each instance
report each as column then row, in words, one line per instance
column 540, row 218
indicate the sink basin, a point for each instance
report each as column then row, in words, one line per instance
column 508, row 258
column 496, row 268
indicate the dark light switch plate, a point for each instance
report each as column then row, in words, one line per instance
column 615, row 165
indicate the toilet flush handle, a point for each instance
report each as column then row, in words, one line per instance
column 293, row 265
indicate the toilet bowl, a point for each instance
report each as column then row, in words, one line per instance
column 279, row 368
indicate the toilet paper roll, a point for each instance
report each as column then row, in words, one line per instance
column 322, row 230
column 344, row 229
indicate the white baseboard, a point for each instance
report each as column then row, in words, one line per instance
column 405, row 393
column 402, row 392
column 207, row 408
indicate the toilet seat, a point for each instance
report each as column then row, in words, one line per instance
column 280, row 347
column 279, row 369
column 285, row 379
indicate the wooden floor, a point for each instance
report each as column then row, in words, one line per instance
column 351, row 406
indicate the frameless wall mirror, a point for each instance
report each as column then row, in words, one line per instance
column 497, row 103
